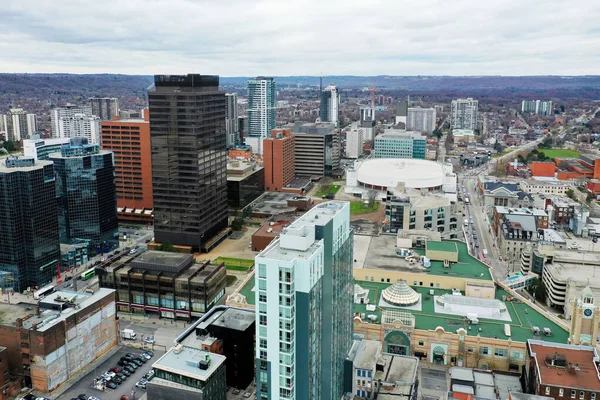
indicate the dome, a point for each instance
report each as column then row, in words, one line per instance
column 400, row 294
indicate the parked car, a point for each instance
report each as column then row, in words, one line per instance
column 124, row 397
column 122, row 375
column 93, row 398
column 112, row 385
column 149, row 339
column 82, row 396
column 137, row 362
column 122, row 363
column 110, row 373
column 125, row 372
column 146, row 356
column 116, row 370
column 150, row 353
column 142, row 359
column 131, row 368
column 141, row 384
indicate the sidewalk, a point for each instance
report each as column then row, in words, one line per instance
column 152, row 320
column 73, row 379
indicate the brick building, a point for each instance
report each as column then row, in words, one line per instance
column 129, row 140
column 65, row 333
column 562, row 371
column 279, row 159
column 543, row 168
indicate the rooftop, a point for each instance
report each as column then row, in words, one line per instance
column 580, row 369
column 379, row 252
column 399, row 372
column 521, row 211
column 21, row 164
column 527, row 396
column 398, row 134
column 163, row 261
column 272, row 203
column 184, row 360
column 447, row 246
column 414, row 173
column 365, row 353
column 231, row 318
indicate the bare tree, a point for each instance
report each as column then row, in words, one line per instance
column 372, row 195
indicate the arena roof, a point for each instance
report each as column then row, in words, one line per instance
column 388, row 172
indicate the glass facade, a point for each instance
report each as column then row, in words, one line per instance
column 261, row 106
column 85, row 188
column 241, row 192
column 189, row 159
column 29, row 240
column 400, row 148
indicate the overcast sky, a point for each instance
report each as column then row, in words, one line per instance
column 301, row 37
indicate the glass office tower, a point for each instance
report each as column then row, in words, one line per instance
column 29, row 241
column 87, row 197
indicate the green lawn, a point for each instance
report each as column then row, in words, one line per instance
column 560, row 153
column 235, row 264
column 325, row 190
column 359, row 207
column 230, row 280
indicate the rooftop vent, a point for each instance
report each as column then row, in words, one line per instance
column 178, row 349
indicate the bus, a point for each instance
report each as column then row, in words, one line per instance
column 89, row 274
column 41, row 293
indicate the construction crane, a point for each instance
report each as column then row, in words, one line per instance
column 373, row 90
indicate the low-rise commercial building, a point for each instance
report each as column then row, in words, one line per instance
column 245, row 183
column 60, row 337
column 505, row 194
column 463, row 136
column 171, row 285
column 545, row 187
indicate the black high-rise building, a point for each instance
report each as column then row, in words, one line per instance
column 29, row 241
column 189, row 159
column 87, row 196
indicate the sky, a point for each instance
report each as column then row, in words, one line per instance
column 301, row 37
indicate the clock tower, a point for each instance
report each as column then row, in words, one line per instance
column 585, row 319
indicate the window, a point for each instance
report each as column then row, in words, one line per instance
column 561, row 392
column 573, row 394
column 547, row 390
column 421, row 343
column 262, row 296
column 516, row 355
column 263, row 320
column 500, row 352
column 370, row 375
column 358, row 372
column 593, row 396
column 581, row 395
column 262, row 271
column 484, row 351
column 469, row 349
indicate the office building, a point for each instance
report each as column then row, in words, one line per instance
column 40, row 149
column 132, row 114
column 245, row 183
column 330, row 105
column 18, row 124
column 104, row 108
column 29, row 244
column 59, row 338
column 413, row 209
column 279, row 159
column 229, row 331
column 539, row 107
column 318, row 148
column 129, row 141
column 232, row 120
column 421, row 119
column 85, row 187
column 464, row 114
column 261, row 111
column 189, row 160
column 186, row 290
column 370, row 372
column 304, row 311
column 74, row 121
column 354, row 141
column 401, row 111
column 562, row 371
column 394, row 143
column 367, row 114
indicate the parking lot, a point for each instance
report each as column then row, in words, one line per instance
column 85, row 385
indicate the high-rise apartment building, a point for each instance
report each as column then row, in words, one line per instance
column 354, row 141
column 279, row 159
column 129, row 141
column 539, row 107
column 261, row 111
column 464, row 114
column 18, row 124
column 29, row 243
column 421, row 119
column 73, row 121
column 189, row 159
column 318, row 149
column 304, row 311
column 231, row 120
column 330, row 105
column 105, row 108
column 401, row 111
column 394, row 143
column 85, row 186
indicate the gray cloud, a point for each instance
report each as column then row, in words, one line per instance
column 309, row 37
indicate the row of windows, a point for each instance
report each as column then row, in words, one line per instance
column 561, row 393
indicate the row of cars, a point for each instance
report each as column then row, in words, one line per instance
column 126, row 366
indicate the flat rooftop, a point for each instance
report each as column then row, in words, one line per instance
column 49, row 318
column 400, row 371
column 521, row 211
column 38, row 164
column 183, row 360
column 162, row 261
column 379, row 252
column 399, row 134
column 272, row 203
column 232, row 318
column 583, row 356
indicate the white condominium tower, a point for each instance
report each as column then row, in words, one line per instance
column 330, row 105
column 261, row 111
column 304, row 290
column 464, row 114
column 75, row 121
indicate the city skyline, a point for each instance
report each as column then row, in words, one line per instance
column 148, row 39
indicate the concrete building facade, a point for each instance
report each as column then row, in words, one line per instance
column 104, row 108
column 231, row 120
column 18, row 124
column 394, row 143
column 421, row 119
column 354, row 141
column 464, row 114
column 73, row 121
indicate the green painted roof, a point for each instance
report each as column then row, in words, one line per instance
column 466, row 267
column 523, row 317
column 445, row 245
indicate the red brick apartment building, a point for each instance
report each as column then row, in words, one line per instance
column 562, row 371
column 279, row 159
column 129, row 140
